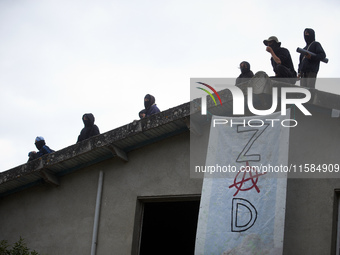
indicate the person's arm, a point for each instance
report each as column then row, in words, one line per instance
column 276, row 58
column 320, row 53
column 32, row 156
column 153, row 110
column 45, row 150
column 95, row 130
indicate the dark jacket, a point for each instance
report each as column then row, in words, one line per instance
column 152, row 110
column 90, row 129
column 43, row 149
column 286, row 60
column 311, row 65
column 246, row 73
column 150, row 106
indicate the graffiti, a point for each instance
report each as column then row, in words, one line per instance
column 258, row 131
column 243, row 211
column 245, row 180
column 236, row 214
column 253, row 179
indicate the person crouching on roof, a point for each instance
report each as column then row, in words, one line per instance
column 41, row 146
column 281, row 61
column 150, row 107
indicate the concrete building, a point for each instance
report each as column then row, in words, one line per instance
column 135, row 182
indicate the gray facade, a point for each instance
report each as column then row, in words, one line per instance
column 59, row 220
column 51, row 202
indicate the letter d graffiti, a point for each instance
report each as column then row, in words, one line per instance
column 243, row 215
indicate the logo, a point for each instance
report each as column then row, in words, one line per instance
column 218, row 96
column 204, row 101
column 288, row 96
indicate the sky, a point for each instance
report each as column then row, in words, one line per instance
column 60, row 59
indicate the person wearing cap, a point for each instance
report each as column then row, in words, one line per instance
column 41, row 146
column 246, row 73
column 281, row 60
column 309, row 65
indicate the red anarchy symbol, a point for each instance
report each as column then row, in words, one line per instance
column 253, row 178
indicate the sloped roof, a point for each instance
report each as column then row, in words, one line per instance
column 115, row 143
column 120, row 141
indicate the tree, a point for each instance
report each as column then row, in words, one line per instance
column 19, row 248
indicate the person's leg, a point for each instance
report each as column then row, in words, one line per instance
column 311, row 80
column 286, row 74
column 308, row 80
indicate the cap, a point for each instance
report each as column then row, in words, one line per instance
column 272, row 38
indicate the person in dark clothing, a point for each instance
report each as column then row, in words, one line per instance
column 246, row 73
column 281, row 60
column 309, row 65
column 41, row 146
column 90, row 128
column 150, row 107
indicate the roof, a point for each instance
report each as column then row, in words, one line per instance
column 120, row 141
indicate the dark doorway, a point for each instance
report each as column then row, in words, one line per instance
column 169, row 227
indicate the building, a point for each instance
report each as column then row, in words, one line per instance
column 130, row 190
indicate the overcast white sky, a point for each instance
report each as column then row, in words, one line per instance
column 60, row 59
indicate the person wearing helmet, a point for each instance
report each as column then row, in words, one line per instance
column 41, row 146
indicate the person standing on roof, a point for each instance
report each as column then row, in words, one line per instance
column 246, row 73
column 309, row 65
column 41, row 146
column 281, row 60
column 90, row 128
column 150, row 107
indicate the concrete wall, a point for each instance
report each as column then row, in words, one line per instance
column 60, row 220
column 311, row 202
column 309, row 216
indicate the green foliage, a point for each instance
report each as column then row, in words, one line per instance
column 4, row 247
column 19, row 248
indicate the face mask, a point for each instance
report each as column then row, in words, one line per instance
column 147, row 104
column 150, row 101
column 244, row 70
column 87, row 123
column 274, row 45
column 308, row 39
column 40, row 144
column 244, row 67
